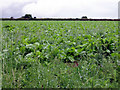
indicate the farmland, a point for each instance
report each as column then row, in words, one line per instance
column 41, row 54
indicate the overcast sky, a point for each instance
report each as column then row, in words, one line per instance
column 60, row 8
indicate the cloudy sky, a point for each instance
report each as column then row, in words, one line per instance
column 59, row 8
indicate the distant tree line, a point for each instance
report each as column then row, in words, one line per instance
column 29, row 16
column 83, row 18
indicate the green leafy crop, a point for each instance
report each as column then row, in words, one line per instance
column 60, row 54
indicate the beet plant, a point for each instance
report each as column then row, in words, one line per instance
column 59, row 54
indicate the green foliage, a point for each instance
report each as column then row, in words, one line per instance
column 42, row 54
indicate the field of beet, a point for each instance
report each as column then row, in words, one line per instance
column 60, row 54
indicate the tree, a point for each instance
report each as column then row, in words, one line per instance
column 84, row 17
column 28, row 16
column 34, row 17
column 11, row 18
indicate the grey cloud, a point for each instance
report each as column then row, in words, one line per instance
column 13, row 10
column 104, row 10
column 119, row 9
